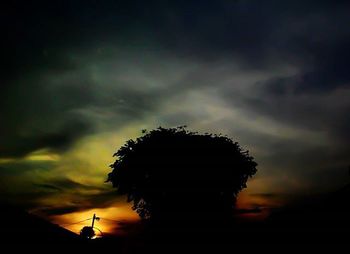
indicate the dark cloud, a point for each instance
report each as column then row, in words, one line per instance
column 48, row 112
column 312, row 111
column 18, row 167
column 48, row 211
column 255, row 32
column 37, row 116
column 48, row 187
column 249, row 211
column 328, row 72
column 268, row 195
column 62, row 185
column 53, row 140
column 101, row 200
column 42, row 38
column 67, row 184
column 71, row 69
column 70, row 196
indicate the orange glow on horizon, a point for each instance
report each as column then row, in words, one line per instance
column 247, row 201
column 114, row 218
column 109, row 223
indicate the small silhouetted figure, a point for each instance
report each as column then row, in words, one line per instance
column 174, row 175
column 88, row 232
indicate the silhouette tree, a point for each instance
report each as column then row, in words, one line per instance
column 175, row 174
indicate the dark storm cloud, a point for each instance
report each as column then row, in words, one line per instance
column 35, row 118
column 329, row 72
column 59, row 83
column 57, row 140
column 80, row 196
column 257, row 34
column 41, row 112
column 317, row 111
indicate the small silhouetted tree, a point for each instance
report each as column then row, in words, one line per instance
column 172, row 174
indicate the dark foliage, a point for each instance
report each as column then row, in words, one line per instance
column 175, row 174
column 87, row 232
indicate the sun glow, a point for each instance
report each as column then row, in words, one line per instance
column 112, row 219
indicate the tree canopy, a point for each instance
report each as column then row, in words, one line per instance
column 173, row 173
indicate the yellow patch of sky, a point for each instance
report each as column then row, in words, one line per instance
column 42, row 155
column 89, row 159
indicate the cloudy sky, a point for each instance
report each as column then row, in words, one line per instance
column 79, row 78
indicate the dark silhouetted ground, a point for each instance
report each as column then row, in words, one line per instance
column 318, row 225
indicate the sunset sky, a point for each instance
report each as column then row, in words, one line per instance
column 79, row 78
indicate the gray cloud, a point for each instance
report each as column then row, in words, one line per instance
column 48, row 187
column 88, row 201
column 65, row 184
column 16, row 167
